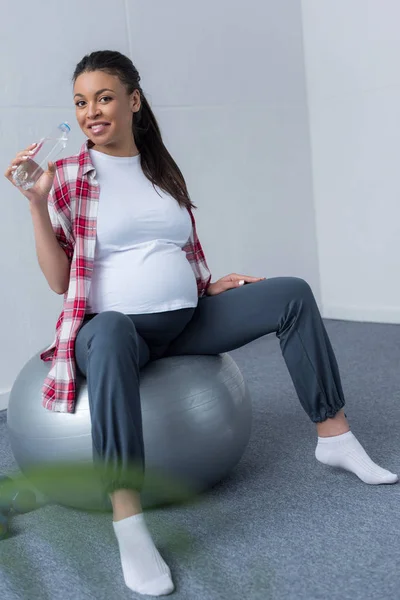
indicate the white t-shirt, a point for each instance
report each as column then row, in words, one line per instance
column 139, row 265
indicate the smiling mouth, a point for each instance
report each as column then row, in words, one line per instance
column 98, row 128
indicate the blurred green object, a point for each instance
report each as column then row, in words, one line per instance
column 7, row 490
column 75, row 481
column 3, row 526
column 24, row 501
column 14, row 497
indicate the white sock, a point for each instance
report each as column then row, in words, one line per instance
column 144, row 569
column 346, row 451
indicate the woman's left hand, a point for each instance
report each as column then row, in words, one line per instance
column 230, row 281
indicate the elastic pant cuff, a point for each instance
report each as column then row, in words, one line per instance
column 329, row 415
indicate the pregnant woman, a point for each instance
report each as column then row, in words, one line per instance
column 115, row 234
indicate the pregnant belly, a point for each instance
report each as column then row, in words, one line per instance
column 123, row 281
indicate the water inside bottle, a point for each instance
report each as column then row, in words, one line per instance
column 27, row 174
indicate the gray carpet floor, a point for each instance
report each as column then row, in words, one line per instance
column 281, row 527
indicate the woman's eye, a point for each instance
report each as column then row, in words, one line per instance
column 81, row 102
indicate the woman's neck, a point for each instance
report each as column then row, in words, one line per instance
column 129, row 149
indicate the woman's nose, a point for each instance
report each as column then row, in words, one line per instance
column 93, row 111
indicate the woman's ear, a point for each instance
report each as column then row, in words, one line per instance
column 135, row 101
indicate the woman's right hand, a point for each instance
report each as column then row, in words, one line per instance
column 38, row 194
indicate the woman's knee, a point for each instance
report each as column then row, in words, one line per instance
column 300, row 288
column 111, row 328
column 298, row 292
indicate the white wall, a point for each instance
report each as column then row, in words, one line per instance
column 352, row 50
column 227, row 82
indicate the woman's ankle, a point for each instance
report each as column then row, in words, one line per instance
column 336, row 425
column 126, row 503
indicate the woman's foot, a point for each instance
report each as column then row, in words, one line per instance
column 345, row 451
column 145, row 572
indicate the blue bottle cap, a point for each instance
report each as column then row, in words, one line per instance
column 64, row 126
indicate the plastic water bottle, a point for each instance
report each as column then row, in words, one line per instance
column 48, row 149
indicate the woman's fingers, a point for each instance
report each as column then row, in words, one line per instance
column 12, row 167
column 24, row 154
column 249, row 278
column 30, row 149
column 8, row 174
column 19, row 158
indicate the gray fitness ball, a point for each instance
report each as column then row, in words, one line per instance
column 196, row 425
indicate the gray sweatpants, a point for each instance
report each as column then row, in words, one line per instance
column 111, row 348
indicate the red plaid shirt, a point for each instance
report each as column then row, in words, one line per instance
column 73, row 203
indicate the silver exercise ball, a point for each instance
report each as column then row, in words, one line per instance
column 196, row 414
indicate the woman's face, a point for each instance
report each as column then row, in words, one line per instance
column 104, row 111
